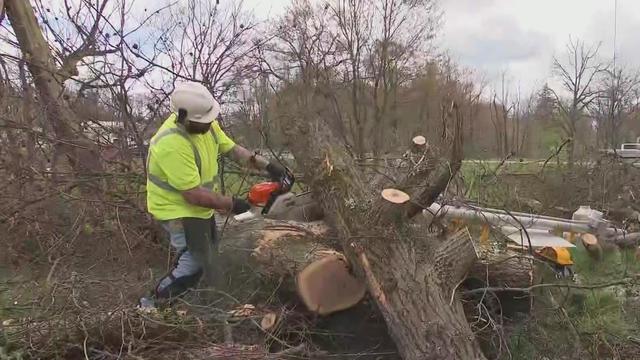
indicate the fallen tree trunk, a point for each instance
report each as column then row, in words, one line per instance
column 411, row 270
column 510, row 270
column 283, row 248
column 278, row 247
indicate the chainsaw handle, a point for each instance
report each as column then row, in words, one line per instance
column 272, row 199
column 287, row 181
column 286, row 184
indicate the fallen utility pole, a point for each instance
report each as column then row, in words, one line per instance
column 592, row 223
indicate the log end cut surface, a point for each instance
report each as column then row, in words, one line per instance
column 327, row 286
column 395, row 196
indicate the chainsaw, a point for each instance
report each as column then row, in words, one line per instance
column 264, row 195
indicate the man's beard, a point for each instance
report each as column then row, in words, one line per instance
column 197, row 128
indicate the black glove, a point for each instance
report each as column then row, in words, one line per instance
column 239, row 206
column 276, row 171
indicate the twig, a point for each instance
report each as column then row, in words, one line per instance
column 228, row 333
column 453, row 292
column 555, row 154
column 528, row 289
column 84, row 343
column 124, row 236
column 502, row 162
column 50, row 275
column 296, row 350
column 563, row 311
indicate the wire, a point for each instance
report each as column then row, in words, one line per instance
column 615, row 33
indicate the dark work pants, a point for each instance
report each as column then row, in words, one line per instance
column 195, row 241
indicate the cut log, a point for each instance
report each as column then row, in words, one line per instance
column 268, row 321
column 327, row 286
column 298, row 253
column 592, row 246
column 277, row 247
column 419, row 140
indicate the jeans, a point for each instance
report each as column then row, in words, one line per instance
column 194, row 241
column 186, row 263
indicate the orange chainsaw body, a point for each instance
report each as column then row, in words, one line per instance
column 259, row 193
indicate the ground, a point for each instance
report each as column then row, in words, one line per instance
column 73, row 271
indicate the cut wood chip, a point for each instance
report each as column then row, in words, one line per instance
column 419, row 140
column 395, row 196
column 245, row 310
column 268, row 321
column 327, row 286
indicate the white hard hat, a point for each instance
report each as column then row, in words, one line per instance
column 197, row 100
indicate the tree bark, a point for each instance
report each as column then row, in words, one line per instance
column 508, row 271
column 411, row 271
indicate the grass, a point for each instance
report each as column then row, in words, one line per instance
column 9, row 350
column 615, row 264
column 520, row 346
column 598, row 315
column 482, row 177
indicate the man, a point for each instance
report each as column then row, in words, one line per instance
column 182, row 170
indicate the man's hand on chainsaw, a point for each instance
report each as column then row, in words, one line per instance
column 276, row 170
column 279, row 173
column 239, row 206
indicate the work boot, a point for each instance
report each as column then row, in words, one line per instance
column 147, row 305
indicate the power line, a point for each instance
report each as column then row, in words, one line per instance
column 615, row 33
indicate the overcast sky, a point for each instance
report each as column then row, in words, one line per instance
column 522, row 36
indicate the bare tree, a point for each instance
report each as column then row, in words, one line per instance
column 502, row 108
column 305, row 50
column 211, row 43
column 49, row 78
column 400, row 45
column 474, row 94
column 75, row 47
column 618, row 98
column 522, row 117
column 304, row 46
column 578, row 75
column 354, row 21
